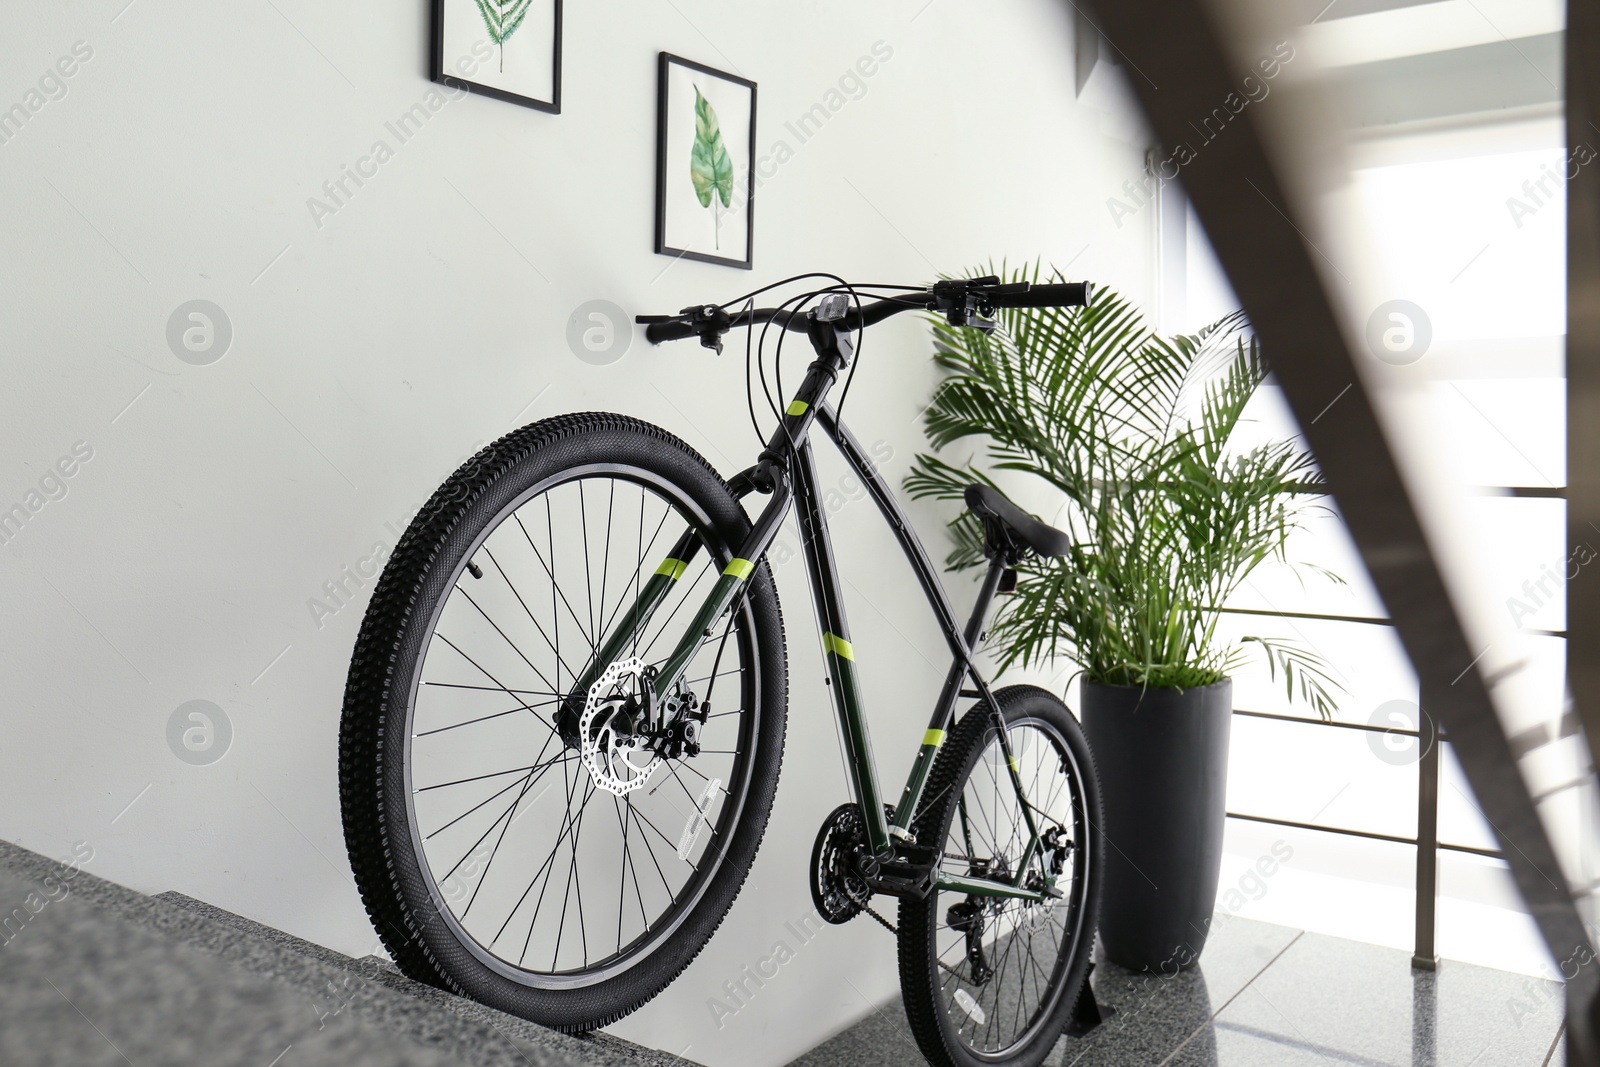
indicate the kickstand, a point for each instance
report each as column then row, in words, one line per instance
column 1087, row 1014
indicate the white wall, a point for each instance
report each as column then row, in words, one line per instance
column 425, row 317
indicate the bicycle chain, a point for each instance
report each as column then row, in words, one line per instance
column 889, row 926
column 885, row 923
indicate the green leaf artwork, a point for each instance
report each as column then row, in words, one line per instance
column 502, row 18
column 710, row 167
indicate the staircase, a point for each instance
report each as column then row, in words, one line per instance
column 94, row 973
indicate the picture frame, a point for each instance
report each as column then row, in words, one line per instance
column 473, row 38
column 705, row 183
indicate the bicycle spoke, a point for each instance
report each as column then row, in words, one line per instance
column 495, row 689
column 638, row 573
column 690, row 767
column 536, row 769
column 512, row 586
column 716, row 664
column 715, row 675
column 477, row 807
column 605, row 559
column 651, row 849
column 474, row 846
column 588, row 576
column 637, row 814
column 693, row 800
column 478, row 777
column 496, row 627
column 633, row 865
column 555, row 586
column 493, row 679
column 622, row 882
column 486, row 718
column 484, row 877
column 572, row 870
column 549, row 868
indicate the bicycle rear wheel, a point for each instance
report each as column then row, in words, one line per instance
column 508, row 845
column 992, row 980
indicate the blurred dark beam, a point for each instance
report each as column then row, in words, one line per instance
column 1179, row 69
column 1583, row 383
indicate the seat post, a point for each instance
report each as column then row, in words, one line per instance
column 998, row 566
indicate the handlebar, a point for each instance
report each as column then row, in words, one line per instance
column 965, row 301
column 692, row 321
column 658, row 328
column 1067, row 294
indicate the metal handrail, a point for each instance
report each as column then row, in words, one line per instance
column 1427, row 841
column 1327, row 722
column 1491, row 853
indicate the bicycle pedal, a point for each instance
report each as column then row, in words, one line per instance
column 909, row 873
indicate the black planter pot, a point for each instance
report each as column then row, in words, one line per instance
column 1163, row 761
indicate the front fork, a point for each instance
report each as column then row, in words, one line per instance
column 625, row 635
column 769, row 475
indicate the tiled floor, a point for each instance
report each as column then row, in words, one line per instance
column 1269, row 996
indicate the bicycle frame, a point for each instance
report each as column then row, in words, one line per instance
column 787, row 470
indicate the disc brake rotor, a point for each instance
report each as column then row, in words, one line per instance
column 618, row 756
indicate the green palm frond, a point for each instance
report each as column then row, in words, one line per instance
column 1134, row 432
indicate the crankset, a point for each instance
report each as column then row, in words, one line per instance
column 837, row 888
column 845, row 875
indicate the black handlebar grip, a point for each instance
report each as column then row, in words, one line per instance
column 671, row 330
column 1067, row 294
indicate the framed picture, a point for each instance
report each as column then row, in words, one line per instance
column 705, row 164
column 507, row 49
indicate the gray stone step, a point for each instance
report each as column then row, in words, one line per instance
column 173, row 952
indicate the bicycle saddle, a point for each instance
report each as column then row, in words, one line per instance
column 990, row 504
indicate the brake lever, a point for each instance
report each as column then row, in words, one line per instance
column 963, row 300
column 710, row 322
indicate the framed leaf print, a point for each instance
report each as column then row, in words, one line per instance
column 507, row 49
column 705, row 164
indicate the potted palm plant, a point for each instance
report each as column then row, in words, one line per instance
column 1129, row 434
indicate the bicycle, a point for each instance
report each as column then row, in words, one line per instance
column 509, row 628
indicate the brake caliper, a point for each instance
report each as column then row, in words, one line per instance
column 1060, row 846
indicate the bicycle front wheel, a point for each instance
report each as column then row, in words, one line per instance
column 992, row 980
column 524, row 827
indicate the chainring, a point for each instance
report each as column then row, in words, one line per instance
column 837, row 888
